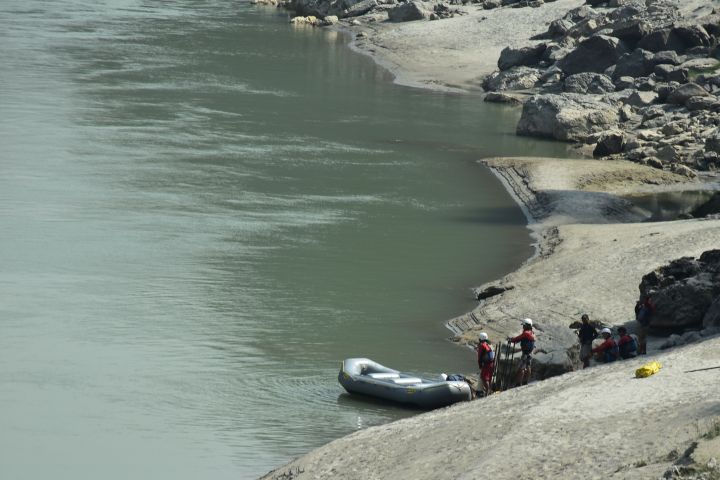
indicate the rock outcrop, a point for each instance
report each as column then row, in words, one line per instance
column 685, row 292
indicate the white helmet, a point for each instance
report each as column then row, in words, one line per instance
column 606, row 330
column 527, row 321
column 483, row 337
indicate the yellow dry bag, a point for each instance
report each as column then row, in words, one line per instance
column 648, row 369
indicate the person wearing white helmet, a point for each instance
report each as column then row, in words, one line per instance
column 486, row 363
column 608, row 350
column 527, row 346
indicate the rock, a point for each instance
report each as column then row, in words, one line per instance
column 689, row 337
column 609, row 143
column 358, row 8
column 684, row 92
column 654, row 163
column 525, row 56
column 667, row 57
column 550, row 364
column 593, row 55
column 664, row 90
column 712, row 143
column 641, row 99
column 492, row 291
column 660, row 40
column 669, row 153
column 692, row 36
column 671, row 73
column 559, row 27
column 631, row 31
column 588, row 82
column 624, row 83
column 711, row 207
column 701, row 103
column 490, row 4
column 639, row 63
column 330, row 20
column 408, row 11
column 711, row 319
column 684, row 170
column 567, row 116
column 683, row 291
column 516, row 78
column 309, row 20
column 499, row 97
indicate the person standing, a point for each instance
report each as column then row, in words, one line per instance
column 586, row 334
column 527, row 346
column 644, row 310
column 486, row 363
column 608, row 350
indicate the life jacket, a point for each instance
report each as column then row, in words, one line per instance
column 485, row 354
column 611, row 354
column 527, row 345
column 627, row 346
column 455, row 378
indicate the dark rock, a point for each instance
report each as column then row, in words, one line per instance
column 623, row 83
column 646, row 84
column 492, row 291
column 499, row 97
column 655, row 163
column 632, row 31
column 589, row 82
column 712, row 315
column 683, row 291
column 408, row 11
column 516, row 78
column 692, row 36
column 671, row 73
column 636, row 64
column 490, row 4
column 712, row 143
column 711, row 207
column 700, row 103
column 609, row 144
column 641, row 99
column 593, row 55
column 668, row 57
column 525, row 56
column 566, row 116
column 559, row 27
column 660, row 40
column 663, row 90
column 684, row 92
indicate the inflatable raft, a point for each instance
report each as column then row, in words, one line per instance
column 366, row 377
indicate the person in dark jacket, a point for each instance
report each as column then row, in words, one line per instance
column 608, row 350
column 626, row 344
column 586, row 334
column 527, row 346
column 644, row 310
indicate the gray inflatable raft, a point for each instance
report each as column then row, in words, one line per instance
column 363, row 376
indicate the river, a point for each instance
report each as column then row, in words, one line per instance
column 203, row 210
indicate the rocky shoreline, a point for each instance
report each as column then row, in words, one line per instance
column 588, row 74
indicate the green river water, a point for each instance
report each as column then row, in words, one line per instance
column 203, row 210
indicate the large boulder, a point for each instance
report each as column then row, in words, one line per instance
column 525, row 56
column 712, row 315
column 661, row 40
column 609, row 143
column 681, row 94
column 516, row 78
column 588, row 82
column 683, row 291
column 409, row 11
column 639, row 63
column 594, row 54
column 566, row 116
column 693, row 36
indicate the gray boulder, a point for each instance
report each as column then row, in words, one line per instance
column 693, row 36
column 588, row 82
column 525, row 56
column 705, row 102
column 409, row 11
column 671, row 73
column 641, row 99
column 684, row 92
column 712, row 143
column 668, row 57
column 559, row 27
column 566, row 116
column 516, row 78
column 594, row 54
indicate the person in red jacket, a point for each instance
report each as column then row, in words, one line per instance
column 527, row 346
column 486, row 363
column 608, row 350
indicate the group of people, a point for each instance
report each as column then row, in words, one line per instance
column 486, row 357
column 610, row 350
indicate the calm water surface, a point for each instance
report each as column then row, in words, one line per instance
column 202, row 212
